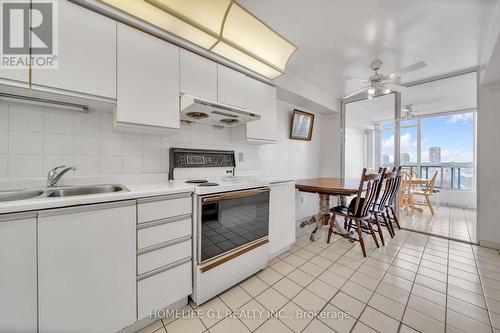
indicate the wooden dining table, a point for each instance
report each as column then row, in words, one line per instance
column 326, row 187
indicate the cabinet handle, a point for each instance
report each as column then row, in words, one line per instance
column 85, row 208
column 163, row 269
column 162, row 245
column 17, row 216
column 234, row 195
column 163, row 221
column 164, row 197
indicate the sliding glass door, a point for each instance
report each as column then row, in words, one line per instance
column 370, row 134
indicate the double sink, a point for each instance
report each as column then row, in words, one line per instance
column 60, row 192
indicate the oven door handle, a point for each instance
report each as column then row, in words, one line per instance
column 234, row 195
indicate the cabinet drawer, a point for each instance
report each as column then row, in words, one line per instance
column 162, row 231
column 150, row 209
column 163, row 256
column 163, row 289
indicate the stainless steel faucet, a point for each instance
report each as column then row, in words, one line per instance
column 54, row 176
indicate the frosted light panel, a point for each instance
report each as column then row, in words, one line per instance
column 250, row 34
column 206, row 14
column 163, row 20
column 245, row 60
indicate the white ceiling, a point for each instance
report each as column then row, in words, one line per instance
column 452, row 94
column 339, row 38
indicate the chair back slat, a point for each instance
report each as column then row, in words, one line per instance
column 369, row 185
column 397, row 184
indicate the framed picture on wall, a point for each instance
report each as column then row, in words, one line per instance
column 302, row 125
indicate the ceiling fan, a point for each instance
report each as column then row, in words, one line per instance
column 407, row 112
column 383, row 84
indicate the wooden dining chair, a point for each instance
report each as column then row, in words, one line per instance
column 407, row 189
column 427, row 192
column 387, row 188
column 359, row 209
column 390, row 207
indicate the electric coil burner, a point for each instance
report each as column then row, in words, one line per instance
column 230, row 220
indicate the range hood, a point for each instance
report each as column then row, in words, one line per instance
column 194, row 109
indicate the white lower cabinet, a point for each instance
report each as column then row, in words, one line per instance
column 18, row 303
column 164, row 287
column 281, row 217
column 87, row 268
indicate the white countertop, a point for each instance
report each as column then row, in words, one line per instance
column 136, row 191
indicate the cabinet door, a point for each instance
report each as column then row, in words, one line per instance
column 281, row 217
column 231, row 87
column 198, row 76
column 87, row 268
column 262, row 99
column 18, row 308
column 148, row 79
column 87, row 53
column 17, row 77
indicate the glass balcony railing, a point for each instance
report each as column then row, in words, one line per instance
column 452, row 176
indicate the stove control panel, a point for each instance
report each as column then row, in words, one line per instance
column 201, row 158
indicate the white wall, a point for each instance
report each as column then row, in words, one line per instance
column 355, row 152
column 488, row 165
column 35, row 139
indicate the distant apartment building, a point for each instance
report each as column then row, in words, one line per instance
column 385, row 159
column 404, row 159
column 435, row 155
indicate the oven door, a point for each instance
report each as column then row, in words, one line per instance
column 232, row 223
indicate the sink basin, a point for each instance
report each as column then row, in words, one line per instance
column 20, row 195
column 85, row 190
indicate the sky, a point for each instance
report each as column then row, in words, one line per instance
column 453, row 133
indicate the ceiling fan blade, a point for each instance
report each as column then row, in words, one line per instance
column 352, row 78
column 395, row 86
column 356, row 92
column 405, row 70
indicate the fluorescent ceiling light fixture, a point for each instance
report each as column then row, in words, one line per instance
column 222, row 26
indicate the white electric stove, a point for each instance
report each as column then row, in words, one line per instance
column 230, row 219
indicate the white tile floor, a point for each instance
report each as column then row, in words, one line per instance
column 416, row 283
column 450, row 222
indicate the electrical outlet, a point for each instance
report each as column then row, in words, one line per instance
column 240, row 157
column 301, row 200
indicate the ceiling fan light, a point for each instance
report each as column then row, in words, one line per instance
column 371, row 91
column 387, row 91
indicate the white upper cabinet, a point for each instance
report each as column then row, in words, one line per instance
column 198, row 76
column 87, row 54
column 18, row 301
column 148, row 80
column 231, row 87
column 262, row 99
column 18, row 77
column 87, row 268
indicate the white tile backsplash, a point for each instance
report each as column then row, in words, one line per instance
column 25, row 142
column 4, row 142
column 87, row 145
column 4, row 166
column 33, row 140
column 25, row 118
column 58, row 144
column 4, row 117
column 25, row 165
column 59, row 122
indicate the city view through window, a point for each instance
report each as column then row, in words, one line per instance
column 434, row 143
